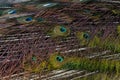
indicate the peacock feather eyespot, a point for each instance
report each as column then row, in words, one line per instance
column 60, row 31
column 83, row 37
column 59, row 59
column 24, row 20
column 86, row 36
column 63, row 29
column 28, row 19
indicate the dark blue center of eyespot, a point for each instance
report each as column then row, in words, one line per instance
column 12, row 12
column 86, row 36
column 63, row 29
column 28, row 19
column 59, row 59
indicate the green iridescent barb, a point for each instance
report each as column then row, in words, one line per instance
column 34, row 58
column 46, row 5
column 40, row 19
column 85, row 0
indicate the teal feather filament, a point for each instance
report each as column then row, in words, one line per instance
column 87, row 11
column 1, row 12
column 40, row 19
column 84, row 1
column 12, row 12
column 7, row 5
column 34, row 58
column 47, row 5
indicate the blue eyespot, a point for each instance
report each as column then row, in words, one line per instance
column 63, row 29
column 86, row 36
column 59, row 59
column 28, row 19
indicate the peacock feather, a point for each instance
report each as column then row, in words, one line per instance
column 41, row 36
